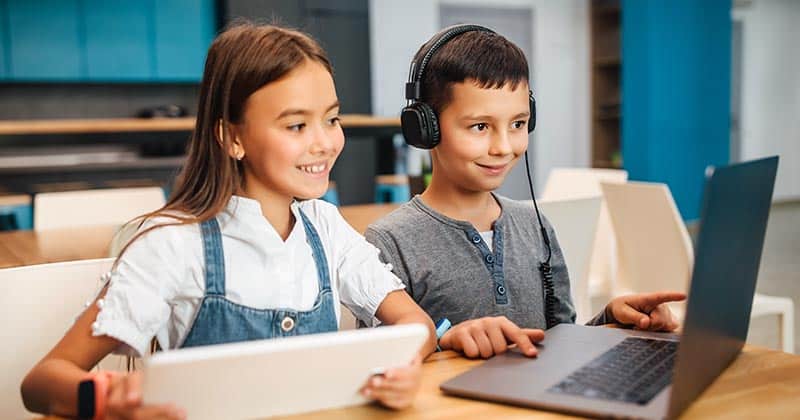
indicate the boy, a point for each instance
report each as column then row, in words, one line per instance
column 465, row 253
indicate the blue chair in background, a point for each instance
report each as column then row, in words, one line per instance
column 16, row 212
column 392, row 189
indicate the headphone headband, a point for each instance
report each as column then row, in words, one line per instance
column 417, row 70
column 418, row 120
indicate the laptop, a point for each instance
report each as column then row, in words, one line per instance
column 609, row 372
column 280, row 376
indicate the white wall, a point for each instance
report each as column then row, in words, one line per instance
column 770, row 90
column 560, row 66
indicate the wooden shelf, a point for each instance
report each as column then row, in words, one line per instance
column 606, row 78
column 116, row 125
column 609, row 61
column 610, row 10
column 616, row 116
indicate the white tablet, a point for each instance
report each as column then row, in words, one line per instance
column 278, row 376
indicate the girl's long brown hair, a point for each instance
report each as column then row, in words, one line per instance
column 241, row 60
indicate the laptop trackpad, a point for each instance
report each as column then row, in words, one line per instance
column 516, row 379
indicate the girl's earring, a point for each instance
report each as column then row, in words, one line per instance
column 240, row 155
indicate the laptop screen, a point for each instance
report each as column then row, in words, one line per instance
column 733, row 222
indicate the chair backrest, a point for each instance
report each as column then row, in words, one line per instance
column 39, row 304
column 93, row 207
column 567, row 183
column 654, row 247
column 575, row 222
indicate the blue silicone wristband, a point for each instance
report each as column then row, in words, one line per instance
column 441, row 327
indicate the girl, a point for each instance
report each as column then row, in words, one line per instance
column 236, row 238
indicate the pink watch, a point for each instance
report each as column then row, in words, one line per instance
column 92, row 393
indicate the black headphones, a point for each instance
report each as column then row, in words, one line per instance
column 418, row 119
column 421, row 129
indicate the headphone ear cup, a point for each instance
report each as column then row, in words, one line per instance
column 532, row 118
column 433, row 125
column 420, row 126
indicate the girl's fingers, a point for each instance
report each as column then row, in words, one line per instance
column 160, row 412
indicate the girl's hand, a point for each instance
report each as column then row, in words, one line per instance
column 125, row 401
column 397, row 387
column 645, row 311
column 486, row 337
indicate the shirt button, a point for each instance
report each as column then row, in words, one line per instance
column 501, row 289
column 287, row 324
column 490, row 258
column 476, row 239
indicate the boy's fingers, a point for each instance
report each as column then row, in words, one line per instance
column 535, row 335
column 464, row 343
column 627, row 315
column 519, row 337
column 649, row 301
column 498, row 340
column 484, row 345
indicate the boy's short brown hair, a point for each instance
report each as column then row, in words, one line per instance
column 488, row 58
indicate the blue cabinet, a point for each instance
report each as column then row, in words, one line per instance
column 44, row 40
column 118, row 35
column 3, row 40
column 105, row 40
column 183, row 31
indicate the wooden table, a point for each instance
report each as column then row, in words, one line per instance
column 761, row 383
column 27, row 247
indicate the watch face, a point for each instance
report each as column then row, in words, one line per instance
column 86, row 399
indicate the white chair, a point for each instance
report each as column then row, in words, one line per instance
column 94, row 207
column 575, row 223
column 40, row 303
column 568, row 183
column 656, row 252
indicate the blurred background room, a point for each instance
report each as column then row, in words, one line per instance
column 100, row 95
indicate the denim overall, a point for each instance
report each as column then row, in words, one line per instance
column 221, row 321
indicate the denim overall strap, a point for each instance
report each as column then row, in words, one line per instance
column 318, row 252
column 214, row 257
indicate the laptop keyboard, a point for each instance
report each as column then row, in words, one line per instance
column 633, row 371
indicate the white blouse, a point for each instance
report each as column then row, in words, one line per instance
column 159, row 283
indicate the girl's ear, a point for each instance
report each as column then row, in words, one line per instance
column 224, row 130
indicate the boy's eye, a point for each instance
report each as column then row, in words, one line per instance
column 297, row 127
column 479, row 127
column 518, row 124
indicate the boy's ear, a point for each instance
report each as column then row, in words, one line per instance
column 224, row 130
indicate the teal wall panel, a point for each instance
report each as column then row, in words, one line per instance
column 183, row 31
column 45, row 40
column 117, row 40
column 676, row 93
column 4, row 51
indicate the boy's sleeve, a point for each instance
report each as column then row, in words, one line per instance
column 389, row 254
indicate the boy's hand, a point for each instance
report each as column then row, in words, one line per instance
column 125, row 401
column 485, row 337
column 397, row 387
column 645, row 311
